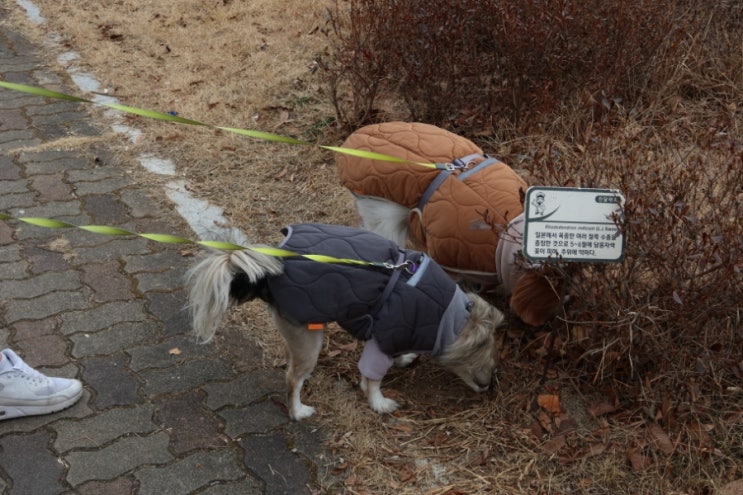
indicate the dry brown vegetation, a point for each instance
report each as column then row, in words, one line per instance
column 636, row 387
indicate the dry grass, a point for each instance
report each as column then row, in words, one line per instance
column 552, row 425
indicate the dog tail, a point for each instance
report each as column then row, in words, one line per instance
column 223, row 279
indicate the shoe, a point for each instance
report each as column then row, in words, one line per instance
column 26, row 392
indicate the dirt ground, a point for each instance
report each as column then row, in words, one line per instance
column 252, row 65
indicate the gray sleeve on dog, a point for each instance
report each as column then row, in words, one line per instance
column 374, row 364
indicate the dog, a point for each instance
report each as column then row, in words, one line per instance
column 467, row 214
column 400, row 302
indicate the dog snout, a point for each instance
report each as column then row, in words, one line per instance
column 483, row 385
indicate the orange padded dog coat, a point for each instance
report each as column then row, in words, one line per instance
column 455, row 225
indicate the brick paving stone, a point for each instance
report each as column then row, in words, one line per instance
column 4, row 334
column 168, row 353
column 140, row 204
column 45, row 77
column 120, row 486
column 82, row 127
column 106, row 208
column 107, row 281
column 42, row 260
column 53, row 107
column 118, row 458
column 63, row 164
column 46, row 305
column 35, row 329
column 12, row 119
column 101, row 186
column 112, row 381
column 263, row 417
column 51, row 187
column 189, row 374
column 11, row 203
column 192, row 426
column 8, row 250
column 9, row 170
column 13, row 186
column 243, row 487
column 108, row 248
column 168, row 259
column 32, row 467
column 171, row 308
column 54, row 209
column 103, row 428
column 177, row 324
column 40, row 285
column 13, row 271
column 166, row 280
column 41, row 158
column 190, row 473
column 240, row 348
column 47, row 350
column 308, row 440
column 245, row 389
column 264, row 452
column 109, row 340
column 102, row 316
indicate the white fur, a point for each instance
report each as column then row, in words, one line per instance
column 470, row 357
column 384, row 217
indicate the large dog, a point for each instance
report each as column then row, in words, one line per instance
column 468, row 215
column 398, row 301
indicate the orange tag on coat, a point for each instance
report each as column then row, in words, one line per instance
column 316, row 326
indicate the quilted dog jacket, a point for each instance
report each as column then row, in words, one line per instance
column 420, row 310
column 452, row 211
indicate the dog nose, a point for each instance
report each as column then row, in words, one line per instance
column 484, row 385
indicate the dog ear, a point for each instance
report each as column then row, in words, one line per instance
column 536, row 297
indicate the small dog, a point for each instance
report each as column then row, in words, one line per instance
column 468, row 216
column 400, row 303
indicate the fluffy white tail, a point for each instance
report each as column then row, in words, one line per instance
column 210, row 280
column 384, row 217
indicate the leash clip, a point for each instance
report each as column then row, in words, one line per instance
column 450, row 166
column 407, row 265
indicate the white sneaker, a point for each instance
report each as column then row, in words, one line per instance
column 26, row 392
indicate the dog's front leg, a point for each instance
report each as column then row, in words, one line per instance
column 373, row 365
column 377, row 401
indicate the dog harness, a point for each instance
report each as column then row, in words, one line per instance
column 417, row 308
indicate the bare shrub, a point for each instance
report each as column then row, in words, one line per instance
column 475, row 65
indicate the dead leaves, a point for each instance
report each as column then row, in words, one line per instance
column 611, row 429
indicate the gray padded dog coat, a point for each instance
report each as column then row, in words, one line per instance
column 420, row 312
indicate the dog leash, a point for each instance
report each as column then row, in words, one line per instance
column 173, row 117
column 49, row 223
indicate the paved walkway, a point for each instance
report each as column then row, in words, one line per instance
column 109, row 311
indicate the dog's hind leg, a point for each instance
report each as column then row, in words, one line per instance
column 303, row 347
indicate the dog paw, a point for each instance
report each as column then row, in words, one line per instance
column 383, row 405
column 302, row 412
